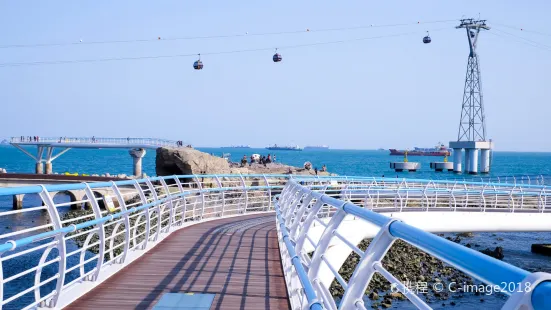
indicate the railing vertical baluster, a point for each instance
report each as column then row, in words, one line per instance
column 222, row 194
column 170, row 204
column 61, row 246
column 182, row 199
column 127, row 227
column 244, row 185
column 269, row 192
column 202, row 195
column 147, row 216
column 158, row 209
column 101, row 229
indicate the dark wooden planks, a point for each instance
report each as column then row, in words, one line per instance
column 237, row 259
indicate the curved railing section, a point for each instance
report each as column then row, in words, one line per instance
column 309, row 273
column 69, row 238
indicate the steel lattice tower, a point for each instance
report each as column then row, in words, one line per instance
column 472, row 125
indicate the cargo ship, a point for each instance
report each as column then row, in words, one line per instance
column 316, row 147
column 439, row 150
column 275, row 147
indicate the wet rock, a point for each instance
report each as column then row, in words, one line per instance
column 499, row 239
column 465, row 234
column 468, row 245
column 496, row 253
column 386, row 304
column 373, row 296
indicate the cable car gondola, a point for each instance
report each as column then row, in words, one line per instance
column 427, row 39
column 473, row 34
column 198, row 64
column 277, row 57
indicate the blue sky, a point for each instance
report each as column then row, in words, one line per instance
column 388, row 92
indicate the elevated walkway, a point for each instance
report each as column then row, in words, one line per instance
column 237, row 259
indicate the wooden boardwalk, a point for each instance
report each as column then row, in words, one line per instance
column 237, row 259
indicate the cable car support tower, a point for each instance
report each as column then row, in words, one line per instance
column 472, row 127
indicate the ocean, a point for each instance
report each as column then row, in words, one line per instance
column 342, row 162
column 516, row 246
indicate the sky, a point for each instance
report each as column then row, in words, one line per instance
column 387, row 92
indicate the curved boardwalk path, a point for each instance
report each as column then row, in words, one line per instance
column 237, row 259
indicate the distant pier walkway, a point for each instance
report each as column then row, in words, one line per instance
column 237, row 259
column 46, row 145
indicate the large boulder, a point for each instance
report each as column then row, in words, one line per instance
column 186, row 161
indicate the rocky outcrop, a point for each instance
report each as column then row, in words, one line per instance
column 187, row 161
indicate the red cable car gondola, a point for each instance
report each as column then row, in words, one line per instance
column 277, row 57
column 198, row 64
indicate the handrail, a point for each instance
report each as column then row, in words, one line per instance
column 478, row 265
column 168, row 203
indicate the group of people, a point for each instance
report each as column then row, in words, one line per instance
column 181, row 143
column 29, row 138
column 258, row 159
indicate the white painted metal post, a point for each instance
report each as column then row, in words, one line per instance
column 122, row 204
column 222, row 194
column 200, row 186
column 246, row 193
column 170, row 204
column 182, row 199
column 269, row 192
column 101, row 229
column 157, row 207
column 147, row 215
column 61, row 246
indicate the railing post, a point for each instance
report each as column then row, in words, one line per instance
column 101, row 229
column 146, row 213
column 269, row 192
column 122, row 204
column 222, row 193
column 61, row 246
column 157, row 207
column 200, row 186
column 245, row 191
column 323, row 244
column 170, row 204
column 296, row 220
column 183, row 199
column 365, row 269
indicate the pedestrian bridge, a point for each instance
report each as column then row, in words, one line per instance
column 47, row 145
column 253, row 242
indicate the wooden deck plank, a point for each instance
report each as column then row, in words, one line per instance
column 237, row 259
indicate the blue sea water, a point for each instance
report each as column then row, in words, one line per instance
column 516, row 246
column 342, row 162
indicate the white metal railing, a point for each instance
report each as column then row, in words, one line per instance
column 44, row 263
column 308, row 274
column 150, row 142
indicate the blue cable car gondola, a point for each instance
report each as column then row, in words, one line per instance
column 277, row 57
column 427, row 39
column 198, row 64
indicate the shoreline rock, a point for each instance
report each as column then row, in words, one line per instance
column 188, row 161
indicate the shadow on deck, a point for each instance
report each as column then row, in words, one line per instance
column 237, row 259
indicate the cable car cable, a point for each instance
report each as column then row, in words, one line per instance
column 214, row 36
column 60, row 62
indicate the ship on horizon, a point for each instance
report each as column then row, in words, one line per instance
column 438, row 150
column 237, row 147
column 316, row 147
column 275, row 147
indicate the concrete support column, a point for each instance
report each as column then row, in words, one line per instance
column 48, row 168
column 473, row 161
column 467, row 160
column 18, row 201
column 457, row 156
column 484, row 161
column 39, row 169
column 137, row 155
